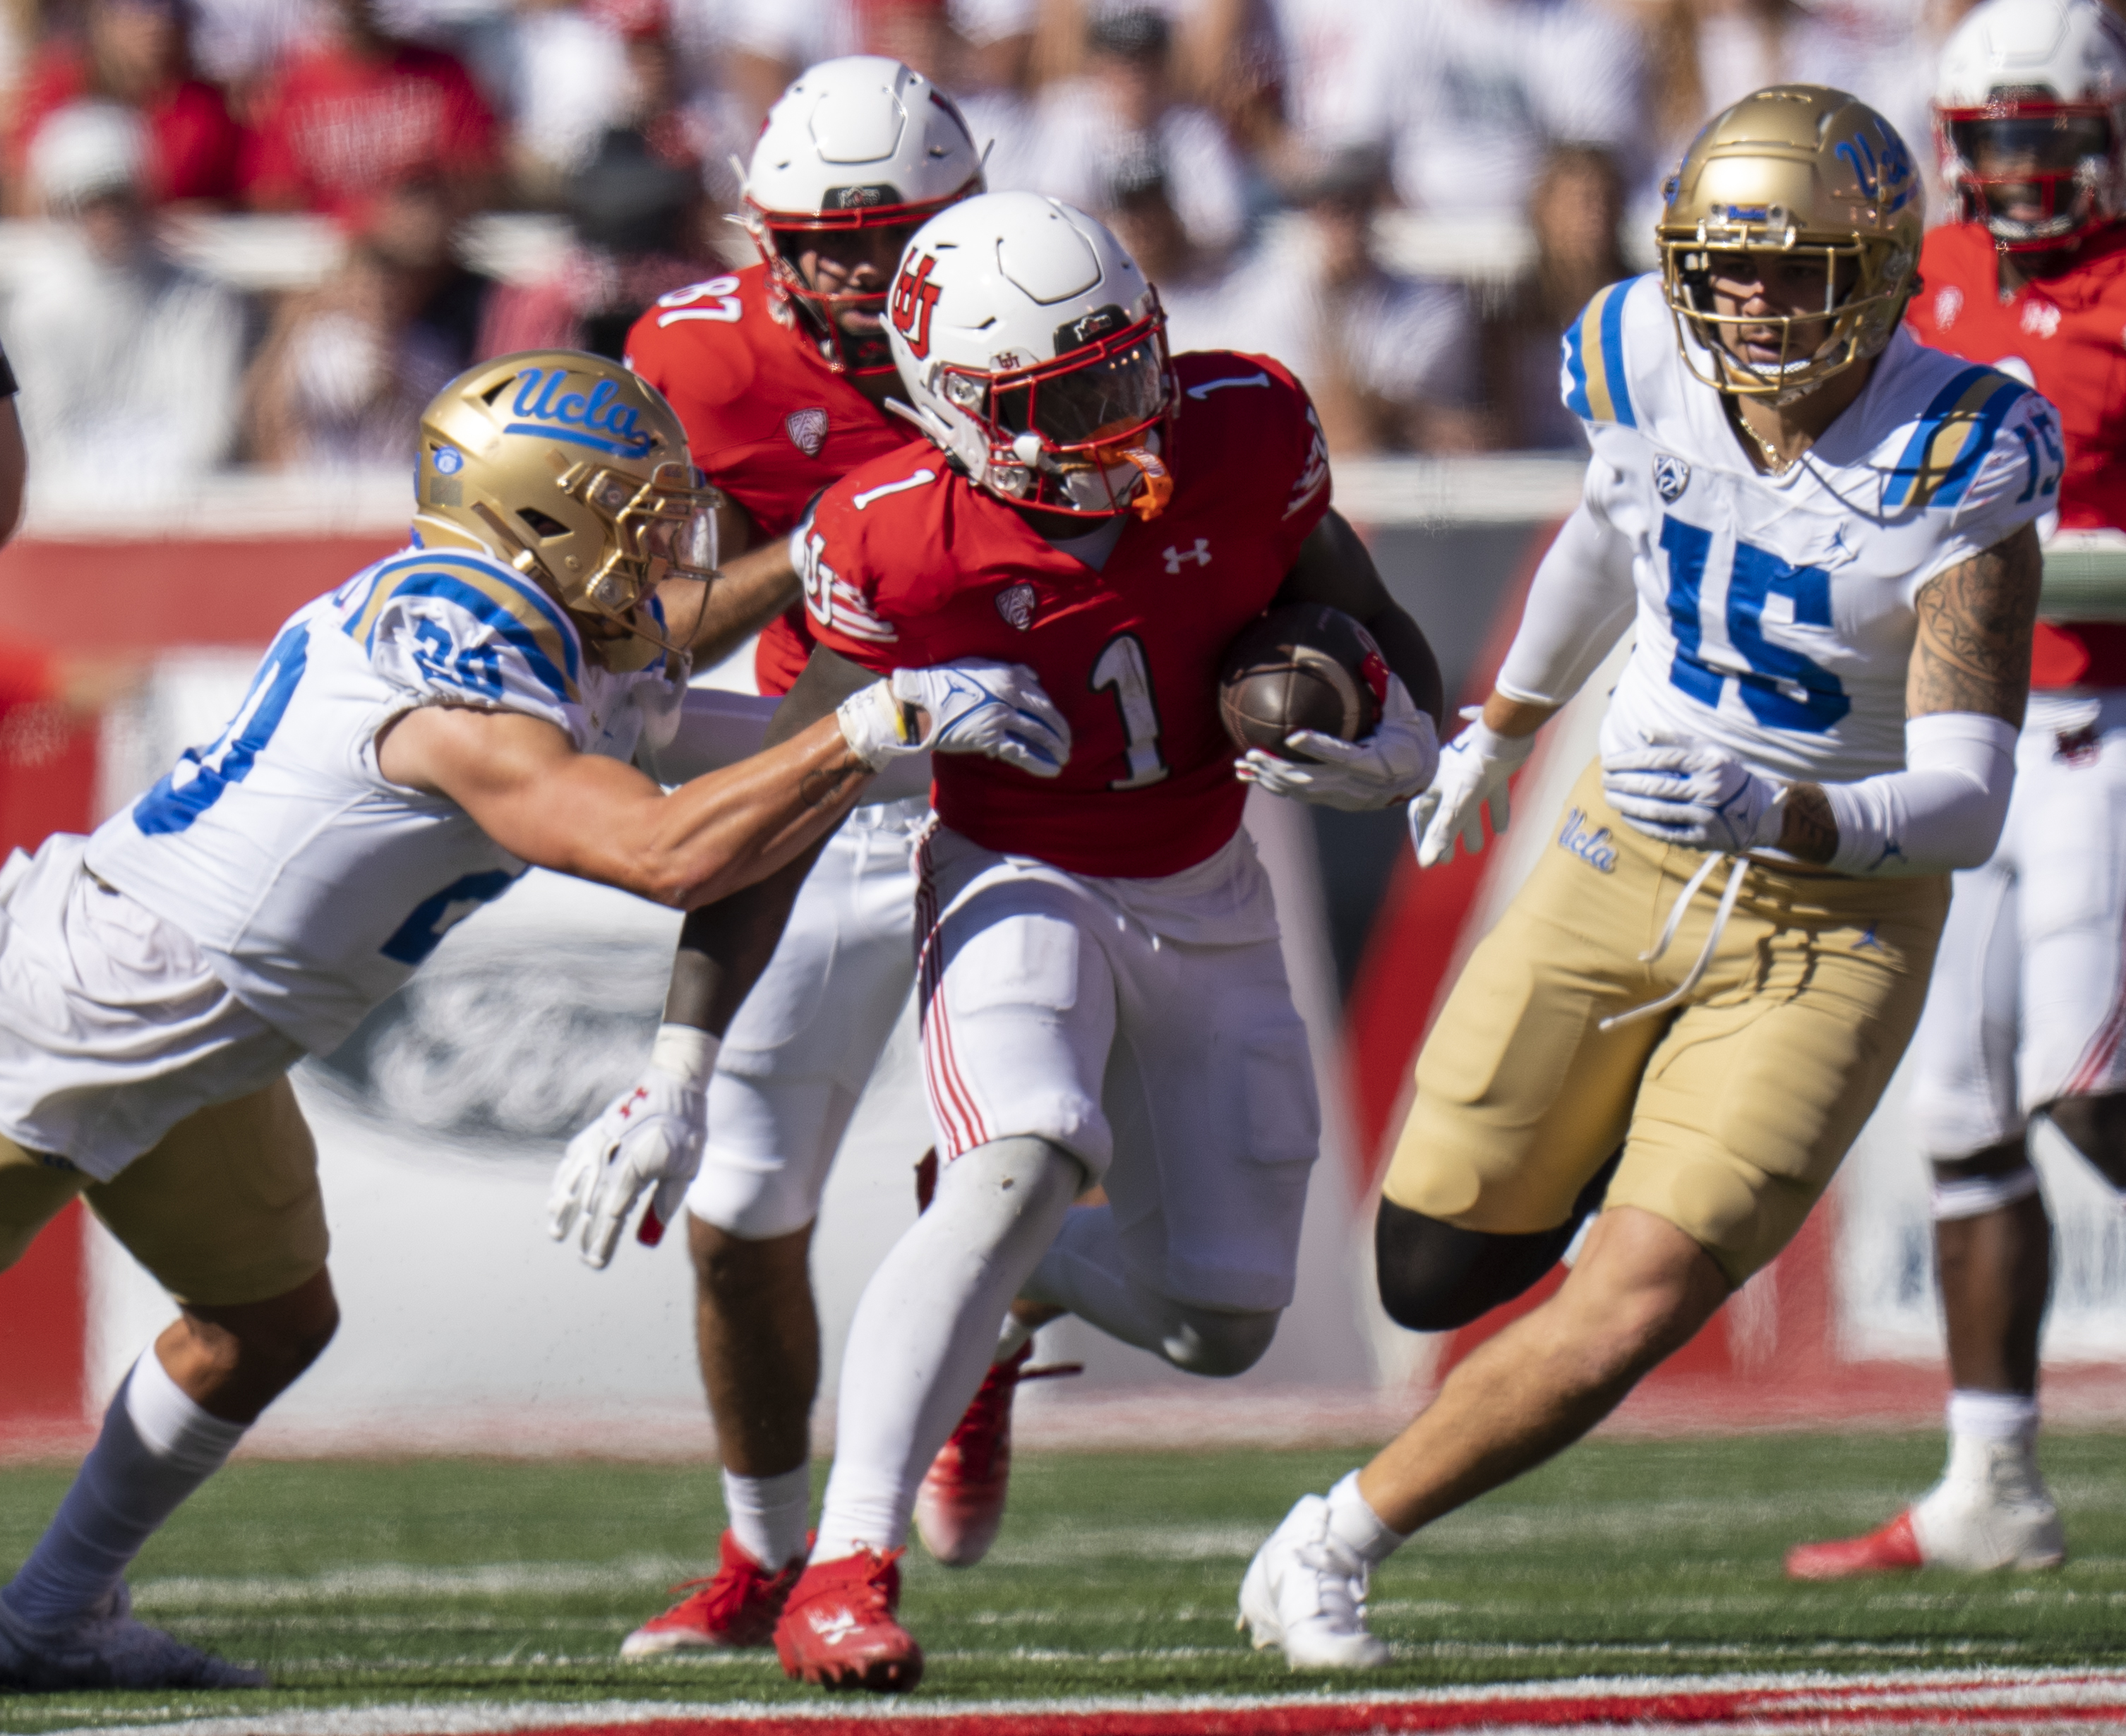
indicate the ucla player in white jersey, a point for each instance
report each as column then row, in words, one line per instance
column 1820, row 533
column 411, row 743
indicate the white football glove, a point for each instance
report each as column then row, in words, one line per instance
column 975, row 706
column 1473, row 769
column 1387, row 767
column 651, row 1133
column 1700, row 796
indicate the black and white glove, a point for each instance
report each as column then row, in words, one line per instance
column 1699, row 796
column 1473, row 769
column 975, row 706
column 651, row 1135
column 1389, row 766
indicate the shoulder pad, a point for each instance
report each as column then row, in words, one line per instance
column 513, row 640
column 1596, row 380
column 1951, row 438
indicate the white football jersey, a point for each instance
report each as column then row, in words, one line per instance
column 314, row 885
column 1775, row 613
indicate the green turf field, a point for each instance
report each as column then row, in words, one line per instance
column 1115, row 1574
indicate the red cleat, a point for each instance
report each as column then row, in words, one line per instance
column 735, row 1607
column 960, row 1506
column 1892, row 1549
column 838, row 1630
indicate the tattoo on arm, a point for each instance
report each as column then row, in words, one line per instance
column 1975, row 623
column 1809, row 833
column 824, row 788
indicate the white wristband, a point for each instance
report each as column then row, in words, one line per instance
column 875, row 723
column 686, row 1052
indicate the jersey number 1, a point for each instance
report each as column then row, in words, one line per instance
column 1121, row 665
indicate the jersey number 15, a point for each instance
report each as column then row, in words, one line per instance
column 1783, row 689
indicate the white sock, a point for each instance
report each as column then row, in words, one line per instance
column 768, row 1514
column 1354, row 1523
column 1993, row 1416
column 156, row 1448
column 925, row 1331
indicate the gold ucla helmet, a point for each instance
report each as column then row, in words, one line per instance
column 1800, row 170
column 575, row 472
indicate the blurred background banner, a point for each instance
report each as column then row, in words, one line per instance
column 439, row 1120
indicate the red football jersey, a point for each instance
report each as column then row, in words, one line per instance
column 907, row 564
column 2070, row 331
column 769, row 422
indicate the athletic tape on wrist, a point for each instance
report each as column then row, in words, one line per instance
column 686, row 1052
column 1972, row 1196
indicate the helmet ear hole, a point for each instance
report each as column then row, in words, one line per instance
column 543, row 525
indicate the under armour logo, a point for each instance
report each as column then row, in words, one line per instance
column 1200, row 554
column 834, row 1628
column 627, row 1108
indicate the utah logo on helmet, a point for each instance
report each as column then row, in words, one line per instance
column 1801, row 171
column 860, row 144
column 574, row 471
column 1034, row 352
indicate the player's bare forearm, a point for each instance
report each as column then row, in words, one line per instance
column 1334, row 568
column 1976, row 625
column 1809, row 833
column 725, row 946
column 1515, row 717
column 750, row 590
column 582, row 814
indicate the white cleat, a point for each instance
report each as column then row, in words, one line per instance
column 1991, row 1511
column 109, row 1649
column 1305, row 1591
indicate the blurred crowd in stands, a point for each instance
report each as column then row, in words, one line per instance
column 1247, row 150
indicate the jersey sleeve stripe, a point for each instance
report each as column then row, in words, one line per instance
column 1594, row 360
column 1954, row 434
column 528, row 621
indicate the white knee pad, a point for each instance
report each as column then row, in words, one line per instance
column 1973, row 1196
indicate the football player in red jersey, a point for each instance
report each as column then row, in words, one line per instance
column 780, row 373
column 1102, row 991
column 2028, row 1006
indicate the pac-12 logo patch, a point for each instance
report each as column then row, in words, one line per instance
column 1671, row 477
column 449, row 460
column 1015, row 604
column 807, row 430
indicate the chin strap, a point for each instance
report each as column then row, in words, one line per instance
column 1152, row 499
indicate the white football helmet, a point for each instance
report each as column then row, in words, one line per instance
column 861, row 142
column 2030, row 120
column 1034, row 353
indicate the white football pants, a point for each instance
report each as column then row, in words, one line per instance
column 1144, row 1026
column 2028, row 1002
column 796, row 1058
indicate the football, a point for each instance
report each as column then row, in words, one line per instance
column 1305, row 666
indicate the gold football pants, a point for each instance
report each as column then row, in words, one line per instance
column 1734, row 1110
column 225, row 1210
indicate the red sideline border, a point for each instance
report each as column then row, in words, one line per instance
column 2024, row 1700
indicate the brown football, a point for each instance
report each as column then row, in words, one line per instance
column 1305, row 666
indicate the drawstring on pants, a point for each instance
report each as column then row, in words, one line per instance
column 1681, row 991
